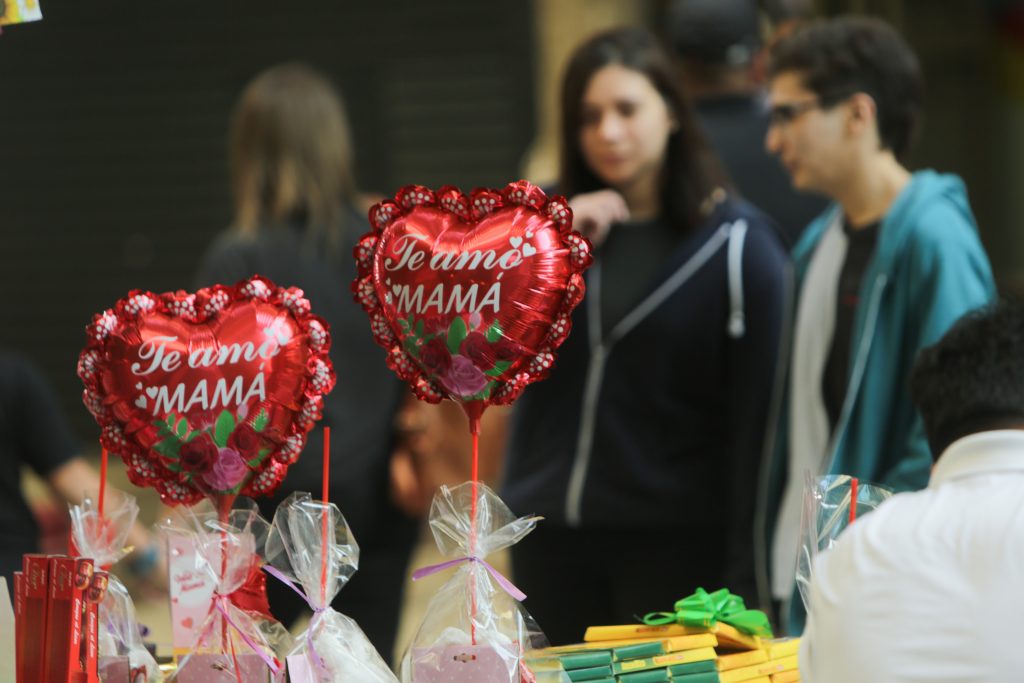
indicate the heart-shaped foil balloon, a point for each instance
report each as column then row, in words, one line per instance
column 208, row 394
column 471, row 295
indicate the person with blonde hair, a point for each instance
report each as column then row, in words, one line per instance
column 291, row 155
column 297, row 215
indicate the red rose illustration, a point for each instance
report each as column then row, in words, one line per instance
column 245, row 440
column 202, row 419
column 463, row 378
column 198, row 455
column 435, row 357
column 506, row 349
column 436, row 324
column 476, row 348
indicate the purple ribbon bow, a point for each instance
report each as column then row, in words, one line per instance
column 505, row 584
column 222, row 602
column 318, row 612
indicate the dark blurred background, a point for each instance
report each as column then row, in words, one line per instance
column 113, row 115
column 113, row 168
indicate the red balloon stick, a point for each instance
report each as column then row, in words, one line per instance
column 103, row 479
column 474, row 429
column 853, row 499
column 327, row 513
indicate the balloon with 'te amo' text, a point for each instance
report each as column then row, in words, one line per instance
column 471, row 295
column 208, row 394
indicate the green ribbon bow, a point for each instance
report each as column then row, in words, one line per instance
column 704, row 610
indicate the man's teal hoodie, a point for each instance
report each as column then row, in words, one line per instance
column 928, row 270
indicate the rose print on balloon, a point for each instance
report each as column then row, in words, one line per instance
column 433, row 355
column 195, row 457
column 471, row 295
column 213, row 456
column 228, row 472
column 245, row 438
column 467, row 363
column 475, row 347
column 465, row 380
column 211, row 393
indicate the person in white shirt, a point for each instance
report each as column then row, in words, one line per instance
column 930, row 586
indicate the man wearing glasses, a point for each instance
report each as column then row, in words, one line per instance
column 883, row 272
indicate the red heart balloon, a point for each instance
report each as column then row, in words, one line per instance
column 471, row 295
column 207, row 394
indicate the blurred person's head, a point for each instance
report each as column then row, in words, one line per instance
column 290, row 152
column 972, row 380
column 783, row 18
column 844, row 92
column 782, row 11
column 717, row 43
column 626, row 124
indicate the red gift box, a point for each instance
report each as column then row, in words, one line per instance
column 69, row 578
column 90, row 640
column 35, row 588
column 19, row 624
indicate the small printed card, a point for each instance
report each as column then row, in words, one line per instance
column 191, row 592
column 299, row 670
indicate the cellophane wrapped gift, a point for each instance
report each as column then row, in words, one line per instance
column 826, row 514
column 476, row 630
column 104, row 540
column 233, row 644
column 333, row 647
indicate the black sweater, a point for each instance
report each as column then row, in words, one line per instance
column 678, row 405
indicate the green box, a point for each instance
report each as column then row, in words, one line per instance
column 585, row 660
column 651, row 649
column 589, row 674
column 652, row 676
column 704, row 677
column 678, row 670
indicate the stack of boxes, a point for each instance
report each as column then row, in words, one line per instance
column 775, row 661
column 661, row 654
column 56, row 603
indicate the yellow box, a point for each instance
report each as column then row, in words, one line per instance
column 741, row 659
column 763, row 669
column 781, row 647
column 670, row 644
column 727, row 636
column 684, row 657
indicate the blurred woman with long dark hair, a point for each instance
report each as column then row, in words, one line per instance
column 642, row 448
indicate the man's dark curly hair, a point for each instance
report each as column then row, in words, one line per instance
column 840, row 57
column 972, row 380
